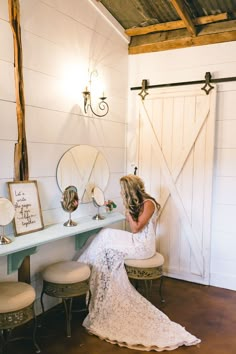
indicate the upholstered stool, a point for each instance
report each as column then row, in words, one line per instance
column 16, row 308
column 66, row 280
column 147, row 270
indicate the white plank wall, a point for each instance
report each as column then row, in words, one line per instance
column 186, row 65
column 62, row 41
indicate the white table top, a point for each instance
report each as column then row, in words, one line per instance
column 58, row 231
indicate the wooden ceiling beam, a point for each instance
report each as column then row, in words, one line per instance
column 173, row 25
column 184, row 15
column 209, row 34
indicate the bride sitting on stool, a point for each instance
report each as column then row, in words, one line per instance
column 117, row 312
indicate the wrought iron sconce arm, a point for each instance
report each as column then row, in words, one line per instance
column 102, row 105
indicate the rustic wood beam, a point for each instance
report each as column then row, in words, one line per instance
column 184, row 15
column 21, row 156
column 21, row 171
column 173, row 25
column 203, row 20
column 209, row 34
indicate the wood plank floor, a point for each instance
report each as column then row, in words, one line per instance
column 207, row 312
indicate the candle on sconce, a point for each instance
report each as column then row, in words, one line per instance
column 103, row 106
column 103, row 97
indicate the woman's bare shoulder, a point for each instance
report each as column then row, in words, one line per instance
column 151, row 201
column 150, row 204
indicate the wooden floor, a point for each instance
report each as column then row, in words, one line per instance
column 207, row 312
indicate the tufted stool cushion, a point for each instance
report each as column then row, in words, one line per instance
column 66, row 272
column 66, row 280
column 155, row 261
column 147, row 270
column 15, row 296
column 16, row 308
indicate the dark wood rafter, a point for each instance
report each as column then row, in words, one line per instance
column 21, row 172
column 21, row 169
column 208, row 34
column 184, row 15
column 159, row 25
column 173, row 25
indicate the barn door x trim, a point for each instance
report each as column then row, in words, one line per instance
column 172, row 176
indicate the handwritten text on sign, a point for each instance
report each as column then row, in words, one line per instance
column 25, row 200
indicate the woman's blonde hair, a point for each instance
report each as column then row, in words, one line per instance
column 134, row 195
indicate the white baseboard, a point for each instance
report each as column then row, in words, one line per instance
column 222, row 280
column 173, row 272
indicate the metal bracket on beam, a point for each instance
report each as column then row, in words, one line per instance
column 208, row 82
column 207, row 87
column 143, row 93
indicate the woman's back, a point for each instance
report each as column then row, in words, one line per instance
column 144, row 241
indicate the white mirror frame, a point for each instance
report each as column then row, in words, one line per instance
column 98, row 201
column 84, row 167
column 7, row 213
column 98, row 197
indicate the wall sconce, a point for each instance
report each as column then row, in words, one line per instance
column 102, row 105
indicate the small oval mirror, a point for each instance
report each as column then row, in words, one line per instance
column 7, row 213
column 98, row 197
column 98, row 201
column 69, row 203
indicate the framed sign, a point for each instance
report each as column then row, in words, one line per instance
column 25, row 198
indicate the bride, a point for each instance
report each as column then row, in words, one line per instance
column 117, row 312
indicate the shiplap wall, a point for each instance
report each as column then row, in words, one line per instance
column 186, row 65
column 61, row 42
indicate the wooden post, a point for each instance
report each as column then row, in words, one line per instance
column 21, row 170
column 21, row 156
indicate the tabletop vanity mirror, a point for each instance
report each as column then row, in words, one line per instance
column 84, row 167
column 69, row 203
column 98, row 201
column 7, row 213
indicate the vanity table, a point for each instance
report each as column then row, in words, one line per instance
column 26, row 245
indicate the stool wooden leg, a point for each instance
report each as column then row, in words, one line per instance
column 5, row 336
column 68, row 306
column 43, row 309
column 148, row 288
column 160, row 289
column 1, row 340
column 34, row 332
column 41, row 301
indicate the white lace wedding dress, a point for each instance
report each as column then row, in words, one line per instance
column 117, row 312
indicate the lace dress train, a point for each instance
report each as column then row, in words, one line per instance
column 117, row 312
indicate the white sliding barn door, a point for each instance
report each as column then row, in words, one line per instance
column 175, row 159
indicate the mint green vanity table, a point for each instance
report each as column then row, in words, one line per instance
column 26, row 245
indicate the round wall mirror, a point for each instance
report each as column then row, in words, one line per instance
column 98, row 201
column 84, row 167
column 7, row 213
